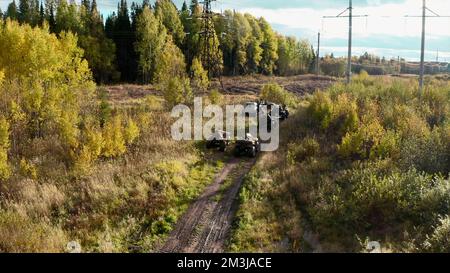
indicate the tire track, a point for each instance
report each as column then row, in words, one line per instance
column 206, row 225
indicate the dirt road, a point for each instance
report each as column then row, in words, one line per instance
column 206, row 225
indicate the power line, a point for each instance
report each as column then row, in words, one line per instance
column 350, row 34
column 209, row 54
column 422, row 51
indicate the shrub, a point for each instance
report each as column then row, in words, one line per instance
column 320, row 110
column 4, row 146
column 199, row 76
column 215, row 97
column 114, row 141
column 363, row 142
column 20, row 234
column 333, row 67
column 272, row 92
column 177, row 90
column 439, row 240
column 131, row 131
column 309, row 147
column 345, row 115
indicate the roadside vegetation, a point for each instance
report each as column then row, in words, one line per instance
column 358, row 163
column 76, row 167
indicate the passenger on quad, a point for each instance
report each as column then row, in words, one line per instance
column 249, row 146
column 220, row 140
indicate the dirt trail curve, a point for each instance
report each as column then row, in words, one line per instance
column 206, row 225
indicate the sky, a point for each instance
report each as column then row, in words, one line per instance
column 386, row 32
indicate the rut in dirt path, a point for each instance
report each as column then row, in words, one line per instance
column 206, row 225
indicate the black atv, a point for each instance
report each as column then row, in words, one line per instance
column 219, row 140
column 249, row 146
column 284, row 113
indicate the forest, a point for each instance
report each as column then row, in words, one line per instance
column 117, row 47
column 85, row 159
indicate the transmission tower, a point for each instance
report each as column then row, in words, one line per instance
column 209, row 54
column 422, row 51
column 350, row 33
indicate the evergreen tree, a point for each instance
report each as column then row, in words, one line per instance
column 24, row 11
column 123, row 37
column 12, row 11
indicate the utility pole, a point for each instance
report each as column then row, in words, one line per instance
column 350, row 35
column 422, row 53
column 318, row 55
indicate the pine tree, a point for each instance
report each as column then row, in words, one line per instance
column 12, row 11
column 24, row 11
column 123, row 37
column 41, row 14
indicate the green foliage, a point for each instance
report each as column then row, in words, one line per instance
column 167, row 13
column 294, row 57
column 374, row 163
column 270, row 48
column 151, row 38
column 272, row 92
column 199, row 76
column 177, row 90
column 332, row 66
column 307, row 148
column 114, row 140
column 320, row 110
column 170, row 63
column 363, row 142
column 4, row 147
column 131, row 131
column 215, row 97
column 439, row 240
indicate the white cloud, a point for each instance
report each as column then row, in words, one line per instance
column 386, row 19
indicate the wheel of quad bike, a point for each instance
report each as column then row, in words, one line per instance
column 253, row 152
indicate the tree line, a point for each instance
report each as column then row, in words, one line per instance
column 125, row 46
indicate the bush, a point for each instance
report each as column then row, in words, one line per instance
column 20, row 234
column 177, row 90
column 215, row 97
column 439, row 240
column 309, row 147
column 362, row 143
column 345, row 115
column 4, row 146
column 272, row 92
column 199, row 76
column 333, row 67
column 320, row 110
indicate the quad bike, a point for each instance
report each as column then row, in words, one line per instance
column 250, row 146
column 219, row 140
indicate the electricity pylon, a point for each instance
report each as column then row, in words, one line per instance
column 350, row 34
